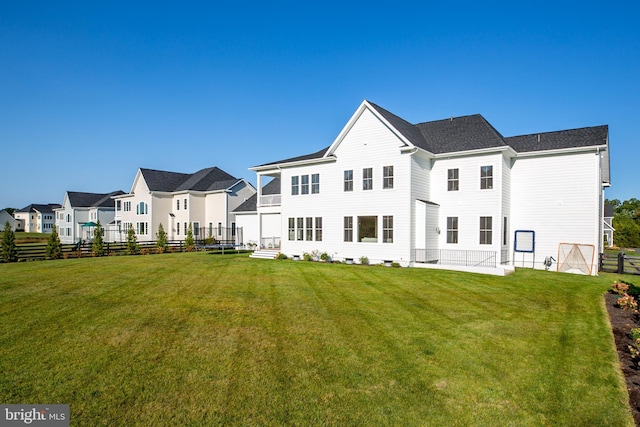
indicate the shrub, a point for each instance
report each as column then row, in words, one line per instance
column 324, row 256
column 189, row 242
column 54, row 248
column 627, row 302
column 307, row 256
column 281, row 256
column 619, row 288
column 634, row 334
column 364, row 260
column 132, row 242
column 97, row 247
column 395, row 265
column 161, row 239
column 9, row 250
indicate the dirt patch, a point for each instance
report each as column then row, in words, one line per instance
column 622, row 321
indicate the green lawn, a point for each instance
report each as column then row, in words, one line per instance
column 192, row 339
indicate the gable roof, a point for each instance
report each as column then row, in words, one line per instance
column 92, row 200
column 251, row 205
column 208, row 179
column 473, row 132
column 42, row 208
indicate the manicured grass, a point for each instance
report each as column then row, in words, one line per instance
column 192, row 339
column 24, row 237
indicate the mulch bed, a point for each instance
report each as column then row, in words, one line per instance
column 622, row 321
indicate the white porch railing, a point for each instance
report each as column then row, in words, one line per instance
column 270, row 243
column 270, row 200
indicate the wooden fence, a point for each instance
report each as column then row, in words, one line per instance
column 620, row 263
column 38, row 251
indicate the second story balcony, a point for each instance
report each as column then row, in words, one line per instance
column 270, row 200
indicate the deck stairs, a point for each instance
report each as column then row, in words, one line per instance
column 265, row 254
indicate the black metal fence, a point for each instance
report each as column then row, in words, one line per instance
column 456, row 257
column 620, row 263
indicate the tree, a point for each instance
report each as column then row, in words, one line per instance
column 132, row 242
column 9, row 250
column 54, row 248
column 626, row 222
column 161, row 239
column 97, row 247
column 189, row 243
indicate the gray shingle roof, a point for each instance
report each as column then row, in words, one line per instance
column 460, row 134
column 316, row 155
column 571, row 138
column 85, row 200
column 208, row 179
column 42, row 208
column 250, row 205
column 474, row 132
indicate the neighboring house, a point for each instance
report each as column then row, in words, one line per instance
column 607, row 224
column 204, row 199
column 13, row 223
column 441, row 192
column 37, row 218
column 80, row 212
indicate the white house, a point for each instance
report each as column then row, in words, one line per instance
column 607, row 225
column 451, row 192
column 76, row 219
column 13, row 223
column 37, row 218
column 204, row 199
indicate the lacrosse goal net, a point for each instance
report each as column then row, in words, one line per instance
column 575, row 258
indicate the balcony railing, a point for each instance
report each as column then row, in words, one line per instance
column 270, row 200
column 456, row 257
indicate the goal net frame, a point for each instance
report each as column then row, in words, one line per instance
column 575, row 258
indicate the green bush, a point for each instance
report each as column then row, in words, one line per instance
column 281, row 256
column 364, row 260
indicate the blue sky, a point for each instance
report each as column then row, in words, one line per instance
column 92, row 91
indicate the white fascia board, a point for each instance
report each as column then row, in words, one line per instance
column 420, row 152
column 506, row 149
column 278, row 166
column 354, row 118
column 561, row 151
column 122, row 196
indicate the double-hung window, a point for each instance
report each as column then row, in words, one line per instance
column 452, row 229
column 318, row 228
column 387, row 229
column 309, row 228
column 304, row 184
column 348, row 229
column 315, row 183
column 485, row 230
column 367, row 179
column 348, row 180
column 295, row 185
column 453, row 181
column 292, row 229
column 486, row 177
column 300, row 228
column 387, row 177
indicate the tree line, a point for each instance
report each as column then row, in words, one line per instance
column 626, row 222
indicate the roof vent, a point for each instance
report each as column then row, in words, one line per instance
column 538, row 138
